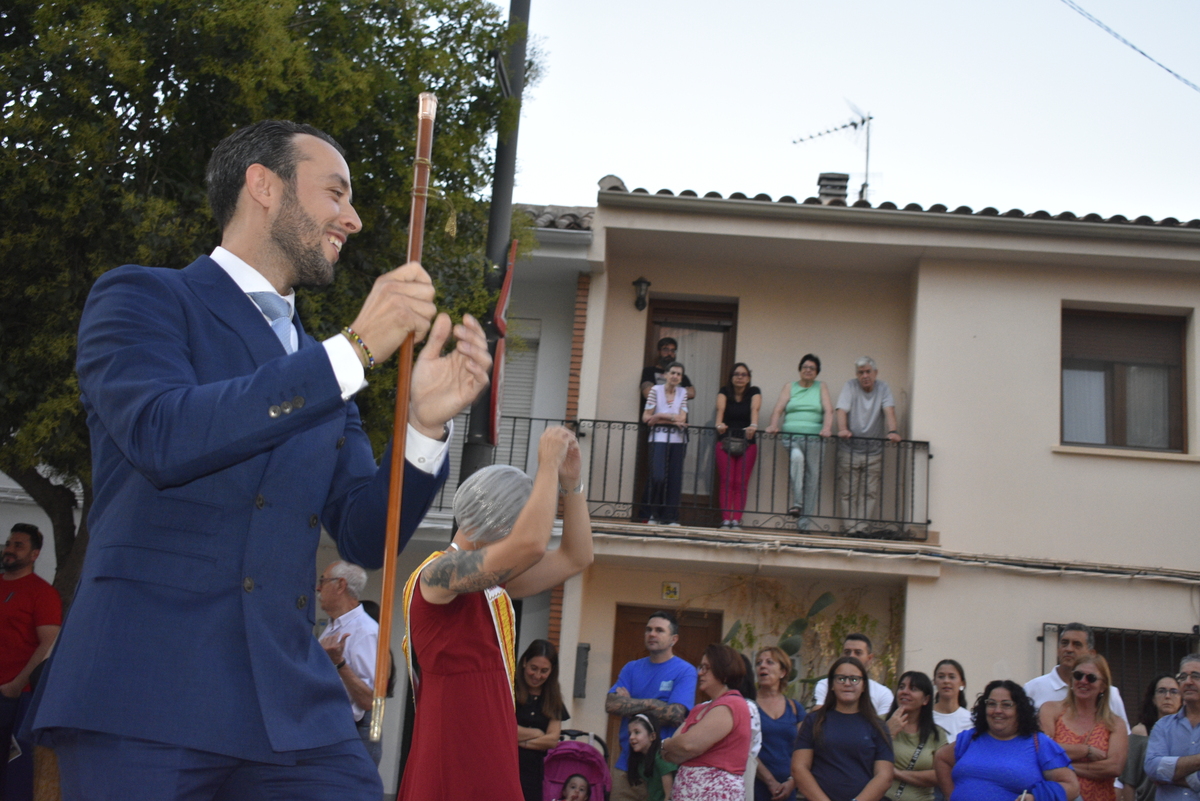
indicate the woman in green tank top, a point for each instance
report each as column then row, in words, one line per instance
column 804, row 409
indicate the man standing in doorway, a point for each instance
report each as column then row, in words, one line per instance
column 865, row 410
column 661, row 684
column 656, row 373
column 30, row 617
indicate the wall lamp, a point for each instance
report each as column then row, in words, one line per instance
column 643, row 288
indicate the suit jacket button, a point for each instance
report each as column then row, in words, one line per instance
column 302, row 602
column 260, row 501
column 248, row 584
column 298, row 402
column 341, row 442
column 313, row 521
column 274, row 412
column 285, row 407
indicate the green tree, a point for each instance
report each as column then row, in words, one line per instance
column 109, row 110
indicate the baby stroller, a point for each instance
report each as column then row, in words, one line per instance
column 588, row 758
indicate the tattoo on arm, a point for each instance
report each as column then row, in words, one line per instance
column 462, row 572
column 673, row 714
column 625, row 706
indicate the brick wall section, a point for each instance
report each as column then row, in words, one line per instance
column 556, row 601
column 582, row 287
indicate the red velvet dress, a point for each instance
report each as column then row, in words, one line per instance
column 464, row 741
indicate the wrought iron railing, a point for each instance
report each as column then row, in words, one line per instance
column 848, row 473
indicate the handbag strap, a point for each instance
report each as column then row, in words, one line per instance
column 912, row 763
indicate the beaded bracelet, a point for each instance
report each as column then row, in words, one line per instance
column 355, row 339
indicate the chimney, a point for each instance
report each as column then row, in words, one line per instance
column 832, row 186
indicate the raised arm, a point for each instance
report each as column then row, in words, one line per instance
column 462, row 571
column 574, row 553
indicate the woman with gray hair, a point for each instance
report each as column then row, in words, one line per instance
column 460, row 641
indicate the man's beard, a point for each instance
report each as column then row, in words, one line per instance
column 290, row 232
column 12, row 565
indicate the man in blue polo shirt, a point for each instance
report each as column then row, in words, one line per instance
column 661, row 685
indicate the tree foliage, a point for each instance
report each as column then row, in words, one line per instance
column 109, row 110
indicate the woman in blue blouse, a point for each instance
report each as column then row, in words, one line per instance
column 1005, row 755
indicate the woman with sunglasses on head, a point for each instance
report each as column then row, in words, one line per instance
column 1004, row 756
column 1091, row 735
column 738, row 405
column 1162, row 699
column 843, row 751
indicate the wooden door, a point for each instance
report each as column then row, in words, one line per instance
column 697, row 630
column 707, row 336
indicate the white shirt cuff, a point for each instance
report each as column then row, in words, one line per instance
column 425, row 453
column 1164, row 771
column 1193, row 781
column 347, row 368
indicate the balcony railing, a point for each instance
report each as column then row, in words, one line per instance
column 616, row 470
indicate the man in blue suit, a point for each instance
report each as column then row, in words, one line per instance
column 223, row 438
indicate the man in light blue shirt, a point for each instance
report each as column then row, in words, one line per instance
column 1173, row 753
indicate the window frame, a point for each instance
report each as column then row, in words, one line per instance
column 1113, row 356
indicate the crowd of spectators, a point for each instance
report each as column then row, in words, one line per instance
column 804, row 421
column 1059, row 737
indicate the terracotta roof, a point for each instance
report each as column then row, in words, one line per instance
column 569, row 218
column 937, row 208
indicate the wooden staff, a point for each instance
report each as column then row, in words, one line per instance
column 416, row 239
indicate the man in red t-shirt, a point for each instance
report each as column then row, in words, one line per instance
column 30, row 617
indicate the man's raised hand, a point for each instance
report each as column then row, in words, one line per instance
column 444, row 385
column 400, row 303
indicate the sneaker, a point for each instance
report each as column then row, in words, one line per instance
column 726, row 524
column 735, row 523
column 652, row 522
column 673, row 523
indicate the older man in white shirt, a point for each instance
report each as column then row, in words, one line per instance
column 351, row 639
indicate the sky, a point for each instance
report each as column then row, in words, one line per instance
column 1013, row 104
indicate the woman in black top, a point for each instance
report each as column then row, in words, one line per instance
column 738, row 404
column 540, row 713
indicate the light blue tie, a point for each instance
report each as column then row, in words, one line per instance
column 279, row 312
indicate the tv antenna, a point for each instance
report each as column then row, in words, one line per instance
column 863, row 121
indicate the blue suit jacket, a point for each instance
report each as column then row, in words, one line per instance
column 216, row 458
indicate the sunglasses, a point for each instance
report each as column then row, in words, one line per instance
column 1090, row 678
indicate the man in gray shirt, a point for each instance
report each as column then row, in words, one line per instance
column 864, row 409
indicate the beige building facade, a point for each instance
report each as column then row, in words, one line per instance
column 964, row 313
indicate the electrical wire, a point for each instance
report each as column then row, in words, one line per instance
column 1072, row 4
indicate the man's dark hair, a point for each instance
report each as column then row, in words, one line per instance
column 861, row 638
column 667, row 616
column 35, row 536
column 667, row 341
column 271, row 143
column 1091, row 637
